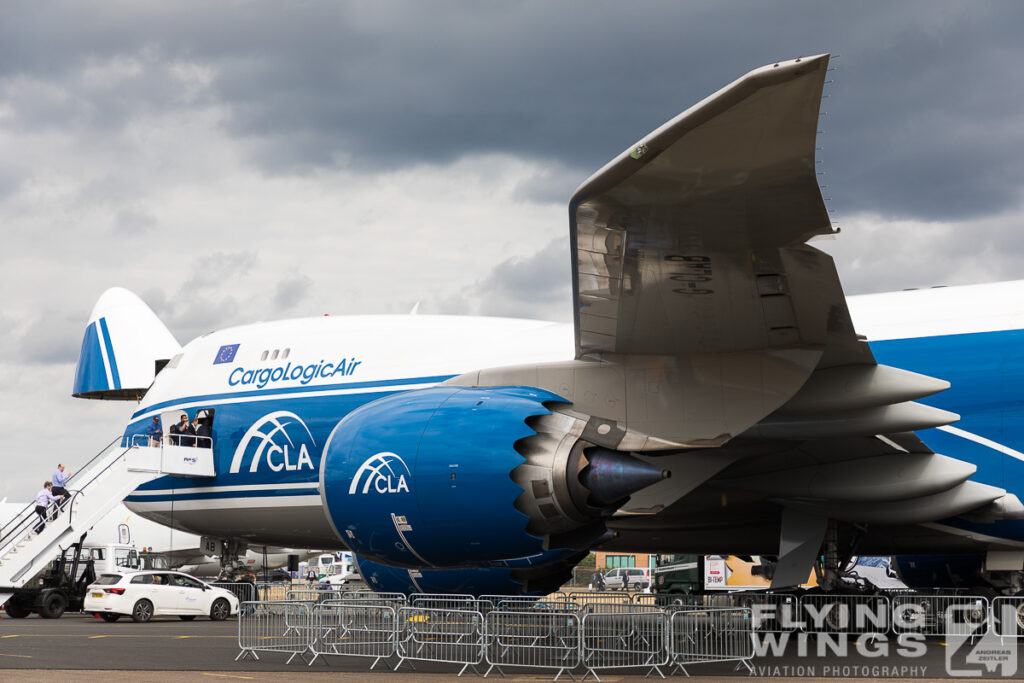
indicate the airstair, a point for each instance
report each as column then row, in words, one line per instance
column 95, row 490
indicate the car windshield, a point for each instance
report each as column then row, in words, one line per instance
column 108, row 579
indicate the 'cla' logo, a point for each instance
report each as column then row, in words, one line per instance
column 282, row 439
column 386, row 472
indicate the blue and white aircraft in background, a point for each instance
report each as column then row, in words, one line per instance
column 717, row 393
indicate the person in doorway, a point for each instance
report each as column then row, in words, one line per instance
column 43, row 500
column 194, row 429
column 204, row 433
column 155, row 433
column 60, row 480
column 179, row 431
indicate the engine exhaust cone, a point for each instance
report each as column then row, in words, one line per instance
column 611, row 476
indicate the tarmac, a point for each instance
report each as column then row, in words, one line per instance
column 81, row 648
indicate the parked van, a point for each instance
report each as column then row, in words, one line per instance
column 639, row 578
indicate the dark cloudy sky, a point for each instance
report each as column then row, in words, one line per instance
column 241, row 161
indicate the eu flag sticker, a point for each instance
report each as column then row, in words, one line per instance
column 226, row 354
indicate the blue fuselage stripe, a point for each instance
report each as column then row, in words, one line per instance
column 215, row 495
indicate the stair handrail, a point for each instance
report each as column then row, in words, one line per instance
column 81, row 491
column 86, row 466
column 27, row 514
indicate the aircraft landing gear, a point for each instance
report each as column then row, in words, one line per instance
column 834, row 569
column 231, row 566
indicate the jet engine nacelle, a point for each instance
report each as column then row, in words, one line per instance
column 465, row 477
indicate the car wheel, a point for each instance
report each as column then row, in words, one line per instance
column 110, row 617
column 143, row 611
column 220, row 610
column 16, row 610
column 53, row 606
column 187, row 617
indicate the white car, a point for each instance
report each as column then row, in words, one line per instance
column 639, row 578
column 143, row 595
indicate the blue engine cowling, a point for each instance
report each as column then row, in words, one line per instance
column 422, row 478
column 459, row 476
column 521, row 579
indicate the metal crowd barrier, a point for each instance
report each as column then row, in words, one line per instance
column 314, row 595
column 711, row 634
column 940, row 615
column 772, row 612
column 243, row 590
column 395, row 601
column 441, row 635
column 593, row 597
column 275, row 626
column 453, row 601
column 511, row 602
column 835, row 614
column 540, row 640
column 1008, row 616
column 273, row 591
column 558, row 634
column 354, row 630
column 625, row 639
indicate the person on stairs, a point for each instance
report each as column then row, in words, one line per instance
column 43, row 500
column 60, row 481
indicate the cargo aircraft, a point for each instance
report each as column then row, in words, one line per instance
column 716, row 393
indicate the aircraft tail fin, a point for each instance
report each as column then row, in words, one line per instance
column 123, row 343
